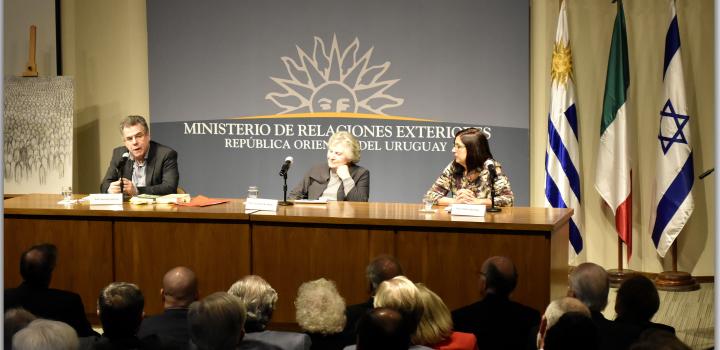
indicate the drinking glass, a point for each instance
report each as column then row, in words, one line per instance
column 67, row 193
column 253, row 192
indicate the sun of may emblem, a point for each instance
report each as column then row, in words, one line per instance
column 561, row 63
column 334, row 80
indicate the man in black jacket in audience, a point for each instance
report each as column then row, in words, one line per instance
column 590, row 284
column 380, row 269
column 179, row 290
column 35, row 295
column 497, row 321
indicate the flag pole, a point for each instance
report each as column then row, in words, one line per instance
column 619, row 275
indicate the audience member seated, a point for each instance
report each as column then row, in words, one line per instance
column 384, row 329
column 15, row 320
column 552, row 315
column 120, row 308
column 401, row 294
column 435, row 328
column 497, row 321
column 380, row 269
column 320, row 312
column 179, row 290
column 657, row 339
column 46, row 335
column 35, row 295
column 589, row 283
column 216, row 322
column 574, row 330
column 260, row 298
column 637, row 302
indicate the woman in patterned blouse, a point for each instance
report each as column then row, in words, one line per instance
column 466, row 179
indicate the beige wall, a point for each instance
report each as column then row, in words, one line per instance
column 105, row 47
column 590, row 23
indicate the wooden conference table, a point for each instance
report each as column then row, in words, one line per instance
column 139, row 243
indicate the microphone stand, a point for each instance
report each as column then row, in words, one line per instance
column 119, row 175
column 285, row 201
column 493, row 209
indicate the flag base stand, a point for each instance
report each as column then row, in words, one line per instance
column 676, row 281
column 618, row 276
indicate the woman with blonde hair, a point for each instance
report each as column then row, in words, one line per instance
column 340, row 178
column 435, row 327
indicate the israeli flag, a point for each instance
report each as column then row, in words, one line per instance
column 673, row 201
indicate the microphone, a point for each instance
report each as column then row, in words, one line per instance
column 122, row 162
column 286, row 166
column 490, row 165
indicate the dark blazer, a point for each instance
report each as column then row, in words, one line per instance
column 353, row 313
column 316, row 181
column 614, row 335
column 161, row 173
column 497, row 322
column 51, row 304
column 171, row 327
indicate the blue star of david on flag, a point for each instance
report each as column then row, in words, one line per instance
column 680, row 121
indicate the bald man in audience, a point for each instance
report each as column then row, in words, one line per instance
column 179, row 290
column 554, row 311
column 380, row 269
column 590, row 284
column 497, row 321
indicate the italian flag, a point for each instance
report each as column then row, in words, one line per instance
column 613, row 178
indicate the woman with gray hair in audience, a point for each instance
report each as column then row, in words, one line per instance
column 320, row 312
column 340, row 178
column 46, row 335
column 260, row 299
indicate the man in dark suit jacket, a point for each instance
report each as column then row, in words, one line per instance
column 179, row 290
column 497, row 321
column 380, row 269
column 120, row 308
column 34, row 294
column 590, row 284
column 149, row 167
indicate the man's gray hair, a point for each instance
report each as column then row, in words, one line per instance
column 259, row 299
column 561, row 306
column 319, row 308
column 590, row 284
column 216, row 322
column 46, row 335
column 133, row 120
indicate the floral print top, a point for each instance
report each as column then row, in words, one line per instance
column 449, row 183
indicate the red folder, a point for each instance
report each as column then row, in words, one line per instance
column 202, row 201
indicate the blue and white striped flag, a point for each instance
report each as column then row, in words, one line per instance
column 562, row 157
column 673, row 201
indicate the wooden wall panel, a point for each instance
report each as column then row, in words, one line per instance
column 84, row 253
column 449, row 263
column 288, row 256
column 218, row 253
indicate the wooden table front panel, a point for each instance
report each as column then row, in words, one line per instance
column 218, row 253
column 449, row 263
column 84, row 253
column 287, row 256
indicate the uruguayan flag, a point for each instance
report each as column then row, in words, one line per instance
column 673, row 201
column 562, row 157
